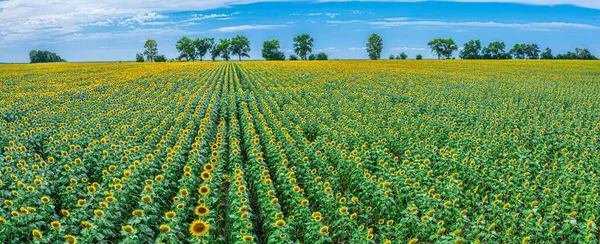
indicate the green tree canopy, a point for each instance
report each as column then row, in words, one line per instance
column 374, row 46
column 151, row 49
column 240, row 46
column 303, row 45
column 43, row 56
column 224, row 48
column 495, row 50
column 322, row 56
column 186, row 49
column 471, row 50
column 203, row 46
column 443, row 47
column 270, row 50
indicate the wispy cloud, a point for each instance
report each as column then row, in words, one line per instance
column 581, row 3
column 327, row 49
column 332, row 15
column 343, row 21
column 247, row 27
column 533, row 25
column 396, row 19
column 142, row 19
column 408, row 49
column 357, row 48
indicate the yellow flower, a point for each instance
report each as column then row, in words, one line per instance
column 127, row 228
column 165, row 228
column 45, row 199
column 324, row 229
column 413, row 241
column 343, row 210
column 204, row 190
column 526, row 239
column 169, row 215
column 70, row 239
column 247, row 238
column 279, row 223
column 55, row 224
column 146, row 198
column 98, row 212
column 199, row 228
column 201, row 210
column 36, row 234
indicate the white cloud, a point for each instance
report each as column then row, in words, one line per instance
column 247, row 27
column 314, row 14
column 332, row 15
column 197, row 17
column 408, row 49
column 357, row 48
column 396, row 19
column 533, row 25
column 327, row 49
column 142, row 19
column 595, row 4
column 343, row 21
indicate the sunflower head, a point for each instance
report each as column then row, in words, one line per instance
column 70, row 239
column 165, row 228
column 201, row 210
column 127, row 228
column 199, row 228
column 324, row 229
column 37, row 234
column 55, row 224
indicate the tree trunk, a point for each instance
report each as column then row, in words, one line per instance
column 240, row 57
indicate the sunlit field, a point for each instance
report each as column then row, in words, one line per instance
column 300, row 152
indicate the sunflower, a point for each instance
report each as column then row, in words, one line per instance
column 169, row 215
column 324, row 229
column 44, row 199
column 146, row 198
column 65, row 212
column 279, row 223
column 98, row 212
column 36, row 234
column 204, row 190
column 165, row 228
column 127, row 228
column 87, row 224
column 343, row 210
column 248, row 238
column 55, row 224
column 201, row 210
column 205, row 175
column 199, row 228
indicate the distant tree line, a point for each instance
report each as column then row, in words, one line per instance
column 473, row 49
column 196, row 49
column 43, row 56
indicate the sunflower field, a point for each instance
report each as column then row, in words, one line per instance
column 300, row 152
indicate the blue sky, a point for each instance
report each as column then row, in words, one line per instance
column 110, row 30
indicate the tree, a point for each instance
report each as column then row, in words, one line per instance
column 293, row 57
column 471, row 50
column 185, row 46
column 403, row 56
column 519, row 51
column 303, row 45
column 214, row 51
column 374, row 46
column 547, row 54
column 495, row 50
column 419, row 57
column 160, row 58
column 151, row 49
column 322, row 56
column 240, row 45
column 392, row 57
column 443, row 47
column 583, row 53
column 270, row 50
column 203, row 46
column 139, row 57
column 532, row 51
column 312, row 57
column 224, row 48
column 43, row 56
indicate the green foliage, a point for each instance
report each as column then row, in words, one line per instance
column 240, row 46
column 160, row 58
column 322, row 56
column 43, row 56
column 203, row 46
column 293, row 57
column 443, row 47
column 403, row 56
column 303, row 45
column 186, row 49
column 419, row 57
column 392, row 57
column 547, row 54
column 270, row 50
column 312, row 57
column 495, row 50
column 374, row 46
column 523, row 51
column 139, row 57
column 151, row 50
column 580, row 53
column 224, row 49
column 471, row 50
